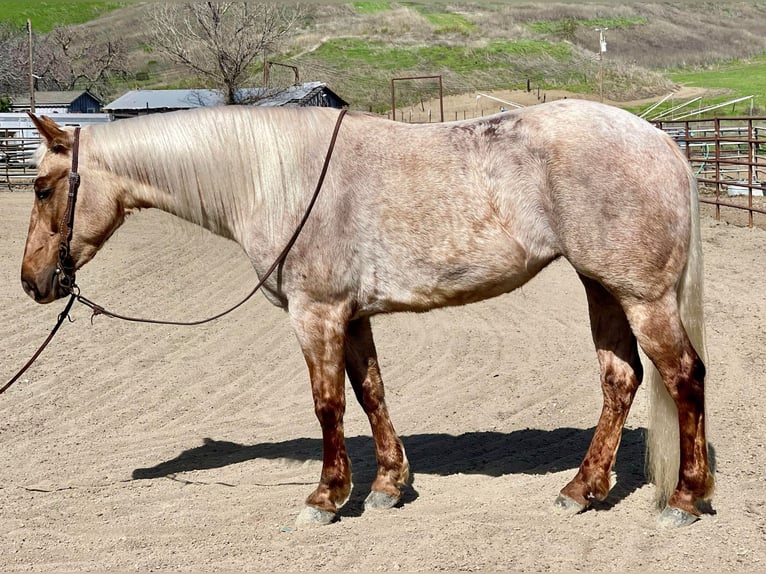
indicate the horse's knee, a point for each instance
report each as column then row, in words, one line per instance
column 620, row 380
column 329, row 411
column 619, row 390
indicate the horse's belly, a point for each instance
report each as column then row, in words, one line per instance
column 430, row 287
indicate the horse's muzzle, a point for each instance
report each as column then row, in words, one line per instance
column 43, row 288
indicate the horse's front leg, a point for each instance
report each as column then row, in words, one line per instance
column 364, row 374
column 321, row 332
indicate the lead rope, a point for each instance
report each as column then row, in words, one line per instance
column 74, row 291
column 62, row 316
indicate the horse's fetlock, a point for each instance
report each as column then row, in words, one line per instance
column 597, row 487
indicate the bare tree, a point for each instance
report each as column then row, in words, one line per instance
column 13, row 59
column 70, row 58
column 221, row 42
column 64, row 59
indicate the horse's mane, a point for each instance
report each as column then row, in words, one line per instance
column 37, row 156
column 225, row 160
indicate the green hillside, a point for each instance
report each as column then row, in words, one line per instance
column 358, row 47
column 47, row 15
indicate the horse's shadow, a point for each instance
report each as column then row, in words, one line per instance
column 528, row 451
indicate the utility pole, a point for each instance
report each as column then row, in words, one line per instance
column 31, row 75
column 601, row 50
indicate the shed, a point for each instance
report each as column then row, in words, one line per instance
column 141, row 102
column 71, row 102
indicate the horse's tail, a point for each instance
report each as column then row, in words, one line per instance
column 663, row 443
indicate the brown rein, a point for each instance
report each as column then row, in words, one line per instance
column 66, row 272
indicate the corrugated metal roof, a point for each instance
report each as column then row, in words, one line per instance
column 165, row 99
column 185, row 99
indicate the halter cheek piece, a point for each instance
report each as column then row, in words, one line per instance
column 65, row 270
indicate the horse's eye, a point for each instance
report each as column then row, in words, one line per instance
column 43, row 194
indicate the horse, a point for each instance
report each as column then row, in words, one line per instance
column 414, row 217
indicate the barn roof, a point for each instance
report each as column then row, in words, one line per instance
column 185, row 99
column 63, row 98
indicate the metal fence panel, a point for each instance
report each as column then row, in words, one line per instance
column 728, row 156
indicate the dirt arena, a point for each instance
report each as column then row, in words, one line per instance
column 147, row 448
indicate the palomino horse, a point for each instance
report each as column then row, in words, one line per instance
column 414, row 217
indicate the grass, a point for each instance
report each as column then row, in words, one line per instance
column 350, row 52
column 737, row 78
column 450, row 24
column 371, row 7
column 443, row 21
column 47, row 15
column 482, row 45
column 500, row 64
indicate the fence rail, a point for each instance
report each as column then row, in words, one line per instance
column 19, row 140
column 17, row 146
column 728, row 156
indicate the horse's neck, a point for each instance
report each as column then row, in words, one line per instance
column 220, row 215
column 236, row 179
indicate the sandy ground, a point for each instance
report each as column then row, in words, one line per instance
column 135, row 447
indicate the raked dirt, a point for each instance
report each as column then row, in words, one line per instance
column 147, row 448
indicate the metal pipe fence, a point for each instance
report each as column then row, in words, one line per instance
column 17, row 146
column 19, row 140
column 728, row 156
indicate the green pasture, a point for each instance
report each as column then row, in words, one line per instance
column 47, row 15
column 502, row 64
column 371, row 7
column 734, row 80
column 444, row 21
column 351, row 52
column 450, row 23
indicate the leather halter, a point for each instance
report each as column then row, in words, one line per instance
column 65, row 268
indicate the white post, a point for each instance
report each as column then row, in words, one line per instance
column 601, row 50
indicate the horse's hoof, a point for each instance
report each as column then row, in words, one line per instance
column 311, row 516
column 380, row 501
column 568, row 505
column 672, row 517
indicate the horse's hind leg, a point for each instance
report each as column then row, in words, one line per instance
column 321, row 332
column 621, row 375
column 663, row 338
column 364, row 374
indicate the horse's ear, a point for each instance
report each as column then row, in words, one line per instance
column 56, row 139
